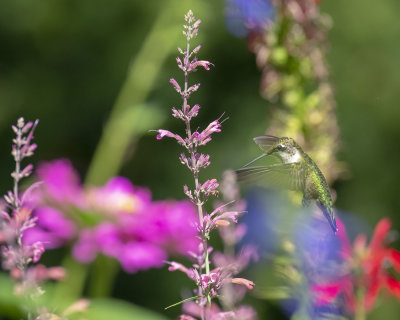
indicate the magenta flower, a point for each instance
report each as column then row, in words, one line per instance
column 164, row 227
column 61, row 182
column 137, row 256
column 118, row 220
column 52, row 228
column 118, row 196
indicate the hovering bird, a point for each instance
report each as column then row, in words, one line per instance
column 295, row 171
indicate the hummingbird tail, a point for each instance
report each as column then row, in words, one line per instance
column 330, row 216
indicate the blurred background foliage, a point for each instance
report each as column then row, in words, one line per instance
column 68, row 62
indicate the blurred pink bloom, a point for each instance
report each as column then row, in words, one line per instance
column 118, row 220
column 137, row 256
column 118, row 195
column 165, row 225
column 86, row 249
column 61, row 181
column 52, row 228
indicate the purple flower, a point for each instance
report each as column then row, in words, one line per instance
column 137, row 256
column 165, row 226
column 52, row 228
column 118, row 195
column 37, row 251
column 202, row 63
column 176, row 85
column 165, row 133
column 169, row 224
column 109, row 239
column 86, row 249
column 61, row 181
column 243, row 16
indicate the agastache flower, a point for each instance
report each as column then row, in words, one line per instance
column 17, row 254
column 208, row 281
column 165, row 133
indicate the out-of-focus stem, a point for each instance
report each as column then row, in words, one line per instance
column 102, row 277
column 120, row 130
column 70, row 290
column 360, row 313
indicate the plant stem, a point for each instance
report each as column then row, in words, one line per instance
column 360, row 307
column 17, row 169
column 102, row 276
column 120, row 130
column 72, row 289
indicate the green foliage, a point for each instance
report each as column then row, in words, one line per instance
column 105, row 309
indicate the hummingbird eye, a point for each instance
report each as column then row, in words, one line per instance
column 281, row 147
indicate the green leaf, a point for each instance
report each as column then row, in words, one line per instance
column 106, row 309
column 274, row 293
column 183, row 301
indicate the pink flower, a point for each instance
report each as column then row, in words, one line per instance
column 202, row 63
column 86, row 249
column 165, row 133
column 137, row 256
column 61, row 181
column 118, row 196
column 51, row 228
column 37, row 250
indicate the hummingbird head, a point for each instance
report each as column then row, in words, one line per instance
column 287, row 149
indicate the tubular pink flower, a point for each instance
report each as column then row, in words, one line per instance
column 165, row 133
column 247, row 283
column 202, row 63
column 194, row 111
column 37, row 250
column 175, row 84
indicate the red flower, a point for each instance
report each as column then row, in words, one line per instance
column 367, row 269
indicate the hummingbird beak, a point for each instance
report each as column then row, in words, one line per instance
column 263, row 155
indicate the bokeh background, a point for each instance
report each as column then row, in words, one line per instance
column 76, row 64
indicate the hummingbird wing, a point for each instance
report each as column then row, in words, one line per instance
column 266, row 142
column 282, row 175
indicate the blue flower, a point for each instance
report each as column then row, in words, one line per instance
column 243, row 16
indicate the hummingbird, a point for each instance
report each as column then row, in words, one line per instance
column 294, row 171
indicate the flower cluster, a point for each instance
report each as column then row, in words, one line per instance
column 118, row 220
column 366, row 271
column 17, row 219
column 208, row 281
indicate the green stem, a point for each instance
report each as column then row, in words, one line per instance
column 119, row 132
column 71, row 289
column 360, row 313
column 102, row 276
